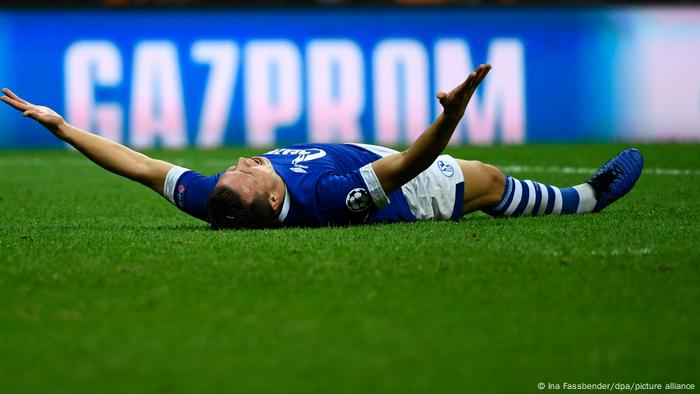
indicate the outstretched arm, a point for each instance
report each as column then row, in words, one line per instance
column 395, row 170
column 107, row 154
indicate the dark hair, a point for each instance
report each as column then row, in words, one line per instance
column 227, row 211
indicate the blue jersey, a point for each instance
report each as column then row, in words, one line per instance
column 326, row 184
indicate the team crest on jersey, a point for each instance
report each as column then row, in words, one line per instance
column 446, row 169
column 358, row 200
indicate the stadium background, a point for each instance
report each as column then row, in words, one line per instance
column 179, row 78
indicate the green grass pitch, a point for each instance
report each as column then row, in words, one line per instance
column 106, row 287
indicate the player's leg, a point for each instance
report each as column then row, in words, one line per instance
column 489, row 190
column 483, row 185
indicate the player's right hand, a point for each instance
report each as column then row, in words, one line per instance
column 44, row 115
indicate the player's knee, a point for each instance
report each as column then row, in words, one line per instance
column 496, row 181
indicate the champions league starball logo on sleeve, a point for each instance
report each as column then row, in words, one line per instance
column 358, row 200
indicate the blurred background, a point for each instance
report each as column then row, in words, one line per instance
column 267, row 3
column 184, row 73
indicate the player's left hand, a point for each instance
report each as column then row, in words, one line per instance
column 44, row 115
column 455, row 102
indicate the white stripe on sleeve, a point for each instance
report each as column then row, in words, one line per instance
column 375, row 188
column 171, row 180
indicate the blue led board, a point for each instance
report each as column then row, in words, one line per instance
column 268, row 77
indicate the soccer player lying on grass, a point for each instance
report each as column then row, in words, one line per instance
column 338, row 184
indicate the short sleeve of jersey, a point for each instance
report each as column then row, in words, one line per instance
column 351, row 197
column 189, row 191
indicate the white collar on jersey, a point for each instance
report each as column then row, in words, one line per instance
column 285, row 206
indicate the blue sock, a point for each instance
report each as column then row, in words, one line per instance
column 533, row 199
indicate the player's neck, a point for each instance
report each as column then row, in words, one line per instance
column 281, row 190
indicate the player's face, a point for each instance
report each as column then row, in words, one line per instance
column 251, row 177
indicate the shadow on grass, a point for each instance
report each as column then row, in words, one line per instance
column 71, row 227
column 469, row 221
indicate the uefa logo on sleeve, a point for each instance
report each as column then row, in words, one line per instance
column 357, row 200
column 446, row 169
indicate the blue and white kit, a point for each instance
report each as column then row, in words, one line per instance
column 334, row 184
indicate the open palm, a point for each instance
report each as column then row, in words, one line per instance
column 44, row 115
column 455, row 102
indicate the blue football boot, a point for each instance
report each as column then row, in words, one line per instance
column 617, row 177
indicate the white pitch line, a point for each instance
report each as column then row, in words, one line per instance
column 591, row 170
column 607, row 252
column 511, row 168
